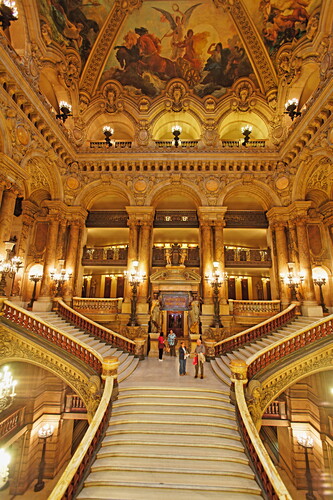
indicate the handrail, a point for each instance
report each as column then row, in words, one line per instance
column 292, row 343
column 12, row 421
column 255, row 332
column 102, row 299
column 95, row 305
column 272, row 482
column 65, row 341
column 73, row 474
column 98, row 331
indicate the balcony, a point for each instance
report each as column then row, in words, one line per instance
column 247, row 257
column 105, row 256
column 176, row 255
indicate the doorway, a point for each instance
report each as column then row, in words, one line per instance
column 175, row 322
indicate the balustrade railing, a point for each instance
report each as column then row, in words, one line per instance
column 280, row 350
column 249, row 257
column 98, row 331
column 12, row 422
column 75, row 472
column 255, row 307
column 97, row 306
column 116, row 145
column 184, row 144
column 238, row 144
column 254, row 333
column 29, row 321
column 276, row 410
column 74, row 404
column 116, row 256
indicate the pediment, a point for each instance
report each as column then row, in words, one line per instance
column 175, row 276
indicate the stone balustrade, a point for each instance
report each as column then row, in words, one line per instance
column 97, row 305
column 255, row 307
column 12, row 422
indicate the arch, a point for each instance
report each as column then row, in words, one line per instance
column 229, row 126
column 164, row 189
column 47, row 172
column 257, row 189
column 317, row 196
column 191, row 127
column 39, row 195
column 98, row 189
column 312, row 175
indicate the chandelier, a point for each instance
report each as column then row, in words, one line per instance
column 4, row 472
column 8, row 13
column 7, row 388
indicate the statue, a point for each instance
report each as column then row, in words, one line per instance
column 183, row 256
column 155, row 315
column 168, row 255
column 194, row 316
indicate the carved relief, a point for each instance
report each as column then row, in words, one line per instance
column 111, row 94
column 177, row 94
column 244, row 97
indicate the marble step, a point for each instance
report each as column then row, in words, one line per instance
column 156, row 415
column 157, row 477
column 174, row 407
column 126, row 372
column 133, row 491
column 175, row 439
column 195, row 392
column 145, row 398
column 170, row 427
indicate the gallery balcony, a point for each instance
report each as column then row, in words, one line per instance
column 105, row 256
column 247, row 257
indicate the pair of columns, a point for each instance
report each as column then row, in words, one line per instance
column 8, row 197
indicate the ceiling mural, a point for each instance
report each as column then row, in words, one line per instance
column 74, row 23
column 282, row 21
column 164, row 40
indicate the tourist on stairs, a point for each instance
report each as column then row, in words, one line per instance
column 161, row 345
column 183, row 355
column 200, row 352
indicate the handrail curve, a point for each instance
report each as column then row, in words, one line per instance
column 95, row 329
column 253, row 333
column 74, row 472
column 288, row 345
column 272, row 482
column 64, row 340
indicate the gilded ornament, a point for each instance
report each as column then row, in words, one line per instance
column 140, row 185
column 212, row 185
column 22, row 135
column 72, row 183
column 282, row 183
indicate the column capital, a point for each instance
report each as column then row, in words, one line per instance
column 299, row 209
column 277, row 214
column 212, row 215
column 144, row 215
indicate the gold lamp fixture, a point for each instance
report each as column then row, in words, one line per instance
column 8, row 13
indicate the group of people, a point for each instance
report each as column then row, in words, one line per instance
column 199, row 353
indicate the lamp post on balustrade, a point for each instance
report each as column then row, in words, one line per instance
column 215, row 279
column 292, row 280
column 35, row 278
column 135, row 278
column 320, row 282
column 44, row 433
column 306, row 442
column 60, row 277
column 8, row 267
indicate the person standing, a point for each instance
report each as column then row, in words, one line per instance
column 183, row 355
column 161, row 345
column 172, row 343
column 200, row 352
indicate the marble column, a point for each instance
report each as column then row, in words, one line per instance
column 133, row 239
column 294, row 251
column 49, row 260
column 144, row 257
column 219, row 256
column 61, row 244
column 206, row 259
column 6, row 217
column 305, row 262
column 71, row 259
column 281, row 254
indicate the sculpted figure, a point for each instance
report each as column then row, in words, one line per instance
column 155, row 315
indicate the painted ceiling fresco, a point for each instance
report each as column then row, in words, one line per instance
column 283, row 21
column 74, row 23
column 164, row 40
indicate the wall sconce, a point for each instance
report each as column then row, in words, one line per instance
column 8, row 13
column 176, row 130
column 291, row 107
column 108, row 132
column 4, row 471
column 65, row 111
column 246, row 131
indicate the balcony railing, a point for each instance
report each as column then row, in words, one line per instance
column 238, row 144
column 96, row 256
column 116, row 145
column 74, row 404
column 255, row 307
column 184, row 144
column 247, row 257
column 12, row 422
column 97, row 306
column 175, row 257
column 276, row 410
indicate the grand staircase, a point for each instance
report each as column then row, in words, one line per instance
column 172, row 436
column 127, row 362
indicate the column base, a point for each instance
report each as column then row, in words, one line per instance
column 43, row 304
column 311, row 309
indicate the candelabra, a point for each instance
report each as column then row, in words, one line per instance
column 246, row 131
column 291, row 107
column 7, row 388
column 292, row 280
column 215, row 279
column 65, row 111
column 108, row 133
column 176, row 130
column 8, row 13
column 135, row 277
column 307, row 444
column 35, row 278
column 4, row 471
column 320, row 281
column 60, row 277
column 8, row 267
column 44, row 433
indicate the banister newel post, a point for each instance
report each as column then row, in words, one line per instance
column 110, row 366
column 238, row 369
